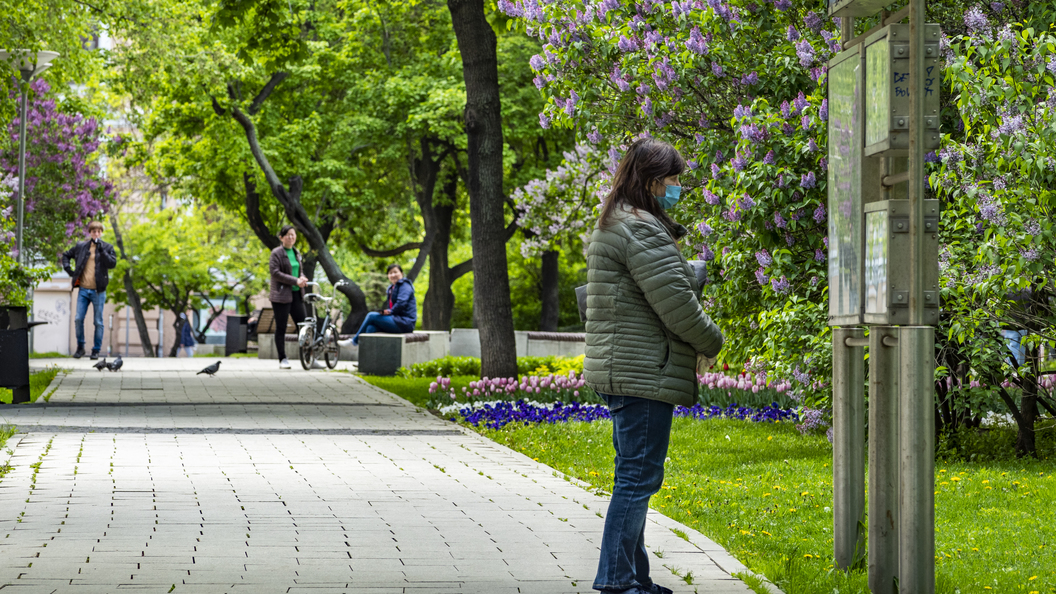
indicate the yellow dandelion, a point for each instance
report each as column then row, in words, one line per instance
column 808, row 556
column 766, row 494
column 1032, row 578
column 770, row 438
column 791, row 509
column 955, row 478
column 944, row 483
column 767, row 533
column 975, row 549
column 986, row 482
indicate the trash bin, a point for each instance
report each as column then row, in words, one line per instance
column 14, row 352
column 237, row 335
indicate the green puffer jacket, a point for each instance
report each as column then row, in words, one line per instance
column 645, row 325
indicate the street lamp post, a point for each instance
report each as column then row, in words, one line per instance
column 28, row 64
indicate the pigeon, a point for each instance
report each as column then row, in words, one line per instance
column 116, row 365
column 101, row 364
column 210, row 370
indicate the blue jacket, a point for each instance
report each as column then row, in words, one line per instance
column 187, row 337
column 403, row 305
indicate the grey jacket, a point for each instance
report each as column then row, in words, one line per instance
column 282, row 278
column 645, row 324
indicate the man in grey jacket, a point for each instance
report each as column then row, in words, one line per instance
column 93, row 260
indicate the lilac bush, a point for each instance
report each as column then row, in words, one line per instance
column 750, row 123
column 65, row 186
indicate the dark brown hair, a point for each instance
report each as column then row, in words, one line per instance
column 285, row 229
column 646, row 161
column 396, row 266
column 95, row 225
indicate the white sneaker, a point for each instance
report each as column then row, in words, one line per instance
column 284, row 364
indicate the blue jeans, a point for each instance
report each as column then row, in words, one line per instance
column 1014, row 340
column 97, row 299
column 376, row 322
column 641, row 431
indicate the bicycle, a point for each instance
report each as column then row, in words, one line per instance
column 317, row 338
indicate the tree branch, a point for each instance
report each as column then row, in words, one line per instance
column 258, row 101
column 459, row 270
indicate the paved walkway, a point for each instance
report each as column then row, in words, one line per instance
column 261, row 480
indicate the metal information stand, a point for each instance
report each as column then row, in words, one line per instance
column 883, row 274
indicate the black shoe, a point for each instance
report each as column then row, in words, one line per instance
column 79, row 353
column 95, row 355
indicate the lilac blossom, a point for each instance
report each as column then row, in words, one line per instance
column 808, row 180
column 819, row 214
column 1032, row 227
column 812, row 146
column 716, row 173
column 805, row 52
column 976, row 21
column 716, row 69
column 537, row 63
column 769, row 159
column 782, row 5
column 704, row 228
column 1030, row 255
column 780, row 221
column 931, row 157
column 819, row 255
column 738, row 163
column 823, row 111
column 813, row 21
column 786, row 109
column 696, row 43
column 764, row 258
column 647, row 106
column 800, row 103
column 761, row 277
column 780, row 285
column 750, row 79
column 706, row 254
column 544, row 120
column 792, row 34
column 594, row 136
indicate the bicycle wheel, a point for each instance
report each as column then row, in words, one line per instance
column 333, row 351
column 307, row 337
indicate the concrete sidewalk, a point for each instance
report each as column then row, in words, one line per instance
column 290, row 481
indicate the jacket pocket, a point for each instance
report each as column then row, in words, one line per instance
column 665, row 352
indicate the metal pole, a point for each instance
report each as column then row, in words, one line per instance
column 917, row 543
column 916, row 162
column 19, row 205
column 848, row 446
column 883, row 460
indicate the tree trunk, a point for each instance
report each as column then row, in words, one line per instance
column 1028, row 409
column 548, row 292
column 178, row 326
column 439, row 298
column 491, row 294
column 133, row 295
column 290, row 199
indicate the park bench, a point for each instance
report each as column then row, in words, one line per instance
column 266, row 336
column 465, row 342
column 383, row 354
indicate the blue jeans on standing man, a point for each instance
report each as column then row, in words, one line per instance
column 97, row 299
column 641, row 431
column 376, row 322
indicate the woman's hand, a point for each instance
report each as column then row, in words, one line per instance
column 704, row 363
column 302, row 282
column 386, row 312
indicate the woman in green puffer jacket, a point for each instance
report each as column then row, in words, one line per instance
column 646, row 337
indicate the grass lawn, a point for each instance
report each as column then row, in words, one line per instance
column 415, row 389
column 38, row 382
column 764, row 492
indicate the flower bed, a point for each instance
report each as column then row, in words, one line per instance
column 497, row 414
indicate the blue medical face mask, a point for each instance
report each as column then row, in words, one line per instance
column 670, row 197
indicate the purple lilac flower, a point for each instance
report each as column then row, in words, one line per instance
column 738, row 163
column 570, row 105
column 819, row 255
column 627, row 45
column 805, row 52
column 806, row 122
column 746, row 202
column 769, row 159
column 780, row 285
column 812, row 146
column 544, row 120
column 788, row 129
column 990, row 211
column 710, row 197
column 813, row 281
column 716, row 173
column 780, row 221
column 716, row 69
column 1032, row 227
column 1010, row 125
column 594, row 136
column 781, row 180
column 808, row 181
column 1030, row 255
column 976, row 21
column 800, row 103
column 819, row 214
column 692, row 164
column 997, row 7
column 1051, row 66
column 732, row 215
column 931, row 157
column 742, row 112
column 706, row 254
column 792, row 34
column 823, row 111
column 696, row 43
column 704, row 228
column 950, row 155
column 750, row 79
column 786, row 110
column 823, row 164
column 763, row 258
column 761, row 277
column 537, row 63
column 825, row 240
column 539, row 81
column 782, row 5
column 813, row 21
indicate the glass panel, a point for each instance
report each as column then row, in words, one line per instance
column 876, row 262
column 844, row 186
column 877, row 92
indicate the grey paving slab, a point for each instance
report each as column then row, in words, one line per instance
column 261, row 479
